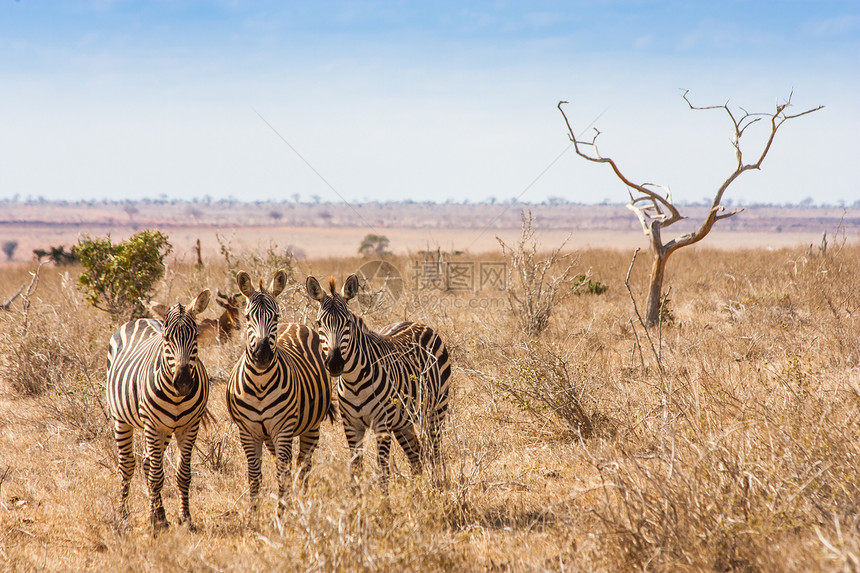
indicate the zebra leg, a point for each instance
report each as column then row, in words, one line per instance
column 354, row 437
column 156, row 442
column 124, row 434
column 383, row 450
column 434, row 456
column 284, row 448
column 307, row 444
column 411, row 447
column 270, row 445
column 253, row 447
column 185, row 443
column 434, row 436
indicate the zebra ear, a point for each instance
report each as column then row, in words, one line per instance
column 279, row 281
column 246, row 287
column 158, row 309
column 314, row 289
column 350, row 287
column 200, row 303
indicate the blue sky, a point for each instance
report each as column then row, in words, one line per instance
column 419, row 100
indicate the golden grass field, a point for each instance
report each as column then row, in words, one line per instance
column 725, row 441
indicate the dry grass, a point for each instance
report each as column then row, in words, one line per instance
column 731, row 446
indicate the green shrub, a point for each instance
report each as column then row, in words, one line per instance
column 118, row 277
column 591, row 287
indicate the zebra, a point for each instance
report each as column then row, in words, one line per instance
column 390, row 381
column 156, row 383
column 279, row 388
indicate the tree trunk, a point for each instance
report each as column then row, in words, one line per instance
column 655, row 289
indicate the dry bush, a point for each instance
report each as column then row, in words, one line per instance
column 55, row 350
column 551, row 387
column 736, row 451
column 533, row 292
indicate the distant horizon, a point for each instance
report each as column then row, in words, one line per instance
column 806, row 203
column 335, row 229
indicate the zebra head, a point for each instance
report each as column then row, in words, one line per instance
column 179, row 341
column 261, row 317
column 334, row 320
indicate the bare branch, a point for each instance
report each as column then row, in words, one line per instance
column 6, row 305
column 639, row 316
column 34, row 284
column 658, row 202
column 686, row 99
column 727, row 215
column 31, row 288
column 787, row 117
column 749, row 123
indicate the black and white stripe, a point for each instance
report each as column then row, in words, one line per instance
column 394, row 382
column 156, row 383
column 279, row 389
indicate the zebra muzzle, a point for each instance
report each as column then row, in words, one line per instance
column 262, row 354
column 334, row 362
column 183, row 381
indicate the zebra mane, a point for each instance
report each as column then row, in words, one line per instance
column 174, row 315
column 331, row 285
column 261, row 286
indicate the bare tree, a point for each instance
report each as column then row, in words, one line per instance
column 657, row 211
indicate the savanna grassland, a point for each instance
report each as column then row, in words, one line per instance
column 726, row 440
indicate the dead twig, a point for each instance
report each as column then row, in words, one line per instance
column 31, row 288
column 639, row 316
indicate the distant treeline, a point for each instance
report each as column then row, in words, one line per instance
column 315, row 200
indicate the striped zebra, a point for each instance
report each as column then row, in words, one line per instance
column 279, row 388
column 156, row 383
column 392, row 381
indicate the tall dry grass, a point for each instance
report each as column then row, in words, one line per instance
column 727, row 440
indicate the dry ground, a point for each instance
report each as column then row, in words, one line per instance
column 726, row 441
